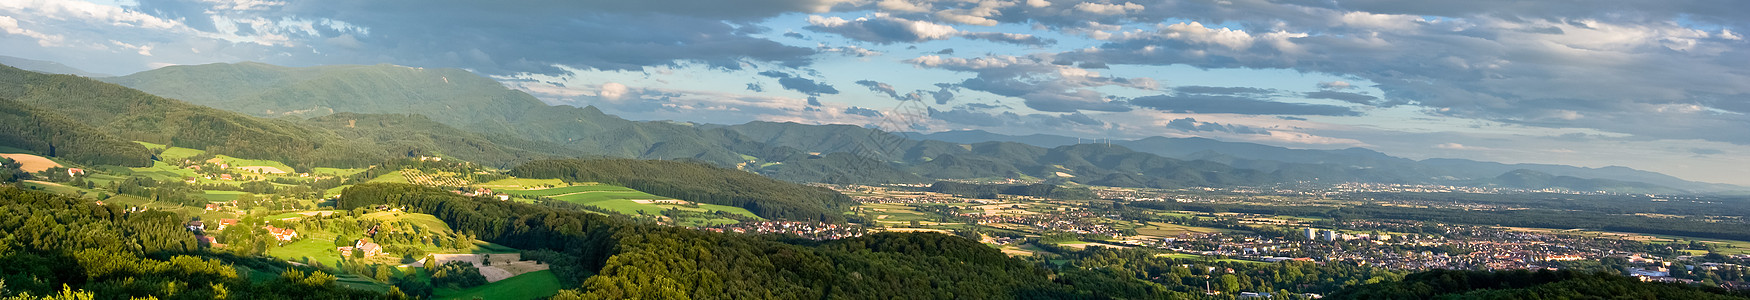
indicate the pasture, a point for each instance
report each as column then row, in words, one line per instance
column 521, row 184
column 532, row 285
column 219, row 196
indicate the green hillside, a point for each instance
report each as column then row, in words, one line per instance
column 450, row 96
column 56, row 135
column 700, row 183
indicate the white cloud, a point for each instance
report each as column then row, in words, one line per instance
column 145, row 50
column 243, row 5
column 1108, row 9
column 612, row 91
column 1195, row 32
column 10, row 26
column 1378, row 21
column 87, row 12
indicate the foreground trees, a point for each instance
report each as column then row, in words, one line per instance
column 57, row 245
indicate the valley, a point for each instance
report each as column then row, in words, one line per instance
column 402, row 200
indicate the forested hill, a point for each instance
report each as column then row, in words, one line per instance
column 795, row 152
column 138, row 116
column 55, row 135
column 89, row 121
column 450, row 96
column 699, row 182
column 1524, row 284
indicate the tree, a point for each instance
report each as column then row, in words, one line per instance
column 383, row 273
column 342, row 241
column 1230, row 284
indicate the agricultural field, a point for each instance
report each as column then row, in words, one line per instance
column 218, row 196
column 532, row 285
column 53, row 187
column 522, row 184
column 1171, row 230
column 335, row 171
column 440, row 179
column 31, row 163
column 622, row 200
column 581, row 189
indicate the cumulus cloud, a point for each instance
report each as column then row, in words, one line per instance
column 10, row 26
column 1335, row 85
column 882, row 28
column 613, row 91
column 1108, row 8
column 492, row 38
column 879, row 87
column 799, row 84
column 1192, row 125
column 849, row 51
column 1041, row 85
column 863, row 112
column 1530, row 64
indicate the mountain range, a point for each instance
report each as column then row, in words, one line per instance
column 390, row 110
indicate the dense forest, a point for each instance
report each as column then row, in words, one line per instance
column 648, row 261
column 990, row 191
column 1524, row 284
column 54, row 135
column 52, row 245
column 700, row 182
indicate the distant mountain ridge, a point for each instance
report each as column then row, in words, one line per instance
column 46, row 67
column 799, row 152
column 1270, row 158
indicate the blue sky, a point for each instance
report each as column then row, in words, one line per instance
column 1655, row 85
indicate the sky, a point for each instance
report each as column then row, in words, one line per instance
column 1652, row 85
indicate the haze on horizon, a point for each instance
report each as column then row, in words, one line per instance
column 1653, row 85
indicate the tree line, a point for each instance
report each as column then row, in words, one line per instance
column 699, row 182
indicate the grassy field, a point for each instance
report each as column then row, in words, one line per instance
column 593, row 188
column 335, row 172
column 530, row 285
column 585, row 197
column 521, row 184
column 426, row 220
column 52, row 187
column 1179, row 256
column 241, row 162
column 161, row 171
column 222, row 195
column 1170, row 230
column 5, row 149
column 317, row 246
column 621, row 200
column 394, row 177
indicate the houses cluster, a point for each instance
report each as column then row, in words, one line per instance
column 808, row 230
column 369, row 248
column 482, row 192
